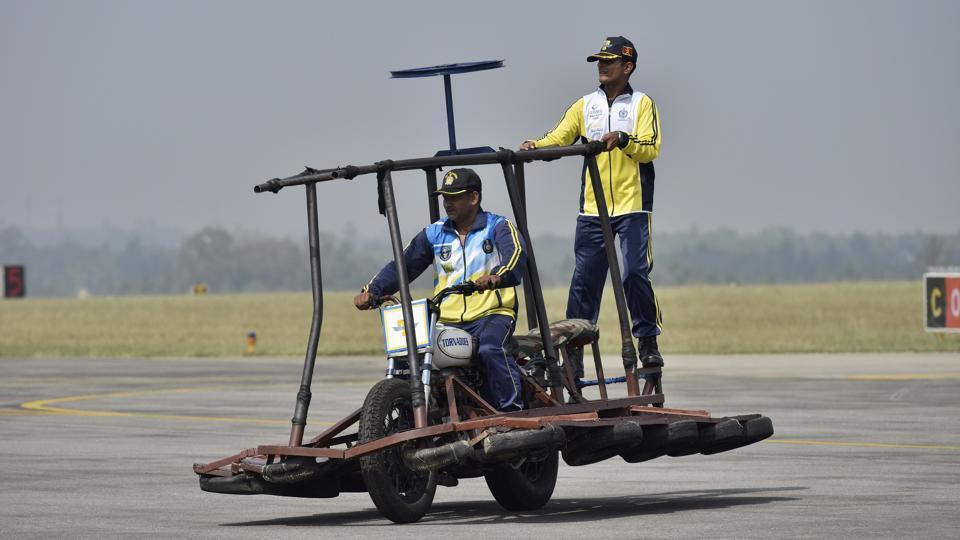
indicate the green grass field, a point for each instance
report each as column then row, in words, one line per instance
column 835, row 317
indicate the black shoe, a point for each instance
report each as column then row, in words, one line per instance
column 649, row 353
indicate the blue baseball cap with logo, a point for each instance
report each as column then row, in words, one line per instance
column 615, row 47
column 458, row 181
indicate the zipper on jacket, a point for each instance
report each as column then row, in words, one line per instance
column 613, row 200
column 463, row 279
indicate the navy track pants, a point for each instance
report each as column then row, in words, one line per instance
column 501, row 375
column 590, row 274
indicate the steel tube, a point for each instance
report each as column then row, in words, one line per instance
column 627, row 351
column 528, row 295
column 520, row 215
column 431, row 198
column 299, row 419
column 598, row 365
column 348, row 172
column 416, row 385
column 451, row 130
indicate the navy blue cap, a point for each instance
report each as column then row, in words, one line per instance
column 615, row 47
column 458, row 181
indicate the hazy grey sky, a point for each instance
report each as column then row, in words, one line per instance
column 822, row 116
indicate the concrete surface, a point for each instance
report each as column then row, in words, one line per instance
column 865, row 446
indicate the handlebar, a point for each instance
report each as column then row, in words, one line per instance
column 466, row 288
column 376, row 302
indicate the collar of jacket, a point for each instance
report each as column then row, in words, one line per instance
column 478, row 223
column 627, row 91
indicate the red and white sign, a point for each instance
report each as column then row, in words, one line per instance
column 941, row 300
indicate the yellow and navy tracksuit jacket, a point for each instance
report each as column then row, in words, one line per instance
column 626, row 172
column 493, row 246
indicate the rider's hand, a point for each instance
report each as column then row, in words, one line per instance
column 528, row 145
column 612, row 140
column 487, row 282
column 363, row 301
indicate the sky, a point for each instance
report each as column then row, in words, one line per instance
column 827, row 117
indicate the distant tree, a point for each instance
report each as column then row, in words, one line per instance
column 207, row 257
column 933, row 252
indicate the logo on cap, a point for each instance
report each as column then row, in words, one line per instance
column 449, row 178
column 627, row 51
column 606, row 45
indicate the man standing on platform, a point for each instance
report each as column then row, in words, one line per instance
column 627, row 121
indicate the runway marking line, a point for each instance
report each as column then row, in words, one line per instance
column 867, row 444
column 906, row 377
column 86, row 381
column 46, row 406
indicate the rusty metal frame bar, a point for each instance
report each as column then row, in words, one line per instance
column 454, row 412
column 539, row 391
column 645, row 409
column 635, row 408
column 570, row 378
column 336, row 429
column 474, row 396
column 598, row 364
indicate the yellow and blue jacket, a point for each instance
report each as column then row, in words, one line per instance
column 626, row 172
column 493, row 246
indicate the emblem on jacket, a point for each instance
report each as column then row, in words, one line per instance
column 444, row 253
column 594, row 113
column 623, row 114
column 487, row 246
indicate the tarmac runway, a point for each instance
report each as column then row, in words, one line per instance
column 865, row 446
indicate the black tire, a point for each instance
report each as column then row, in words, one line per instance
column 528, row 487
column 401, row 495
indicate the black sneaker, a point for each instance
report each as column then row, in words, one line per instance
column 649, row 353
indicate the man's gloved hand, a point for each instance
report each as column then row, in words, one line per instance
column 487, row 282
column 364, row 301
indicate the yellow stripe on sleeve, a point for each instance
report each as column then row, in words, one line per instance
column 516, row 252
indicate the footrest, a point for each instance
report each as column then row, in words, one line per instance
column 596, row 382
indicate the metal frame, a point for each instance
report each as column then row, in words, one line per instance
column 643, row 407
column 512, row 166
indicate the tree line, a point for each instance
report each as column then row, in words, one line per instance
column 234, row 261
